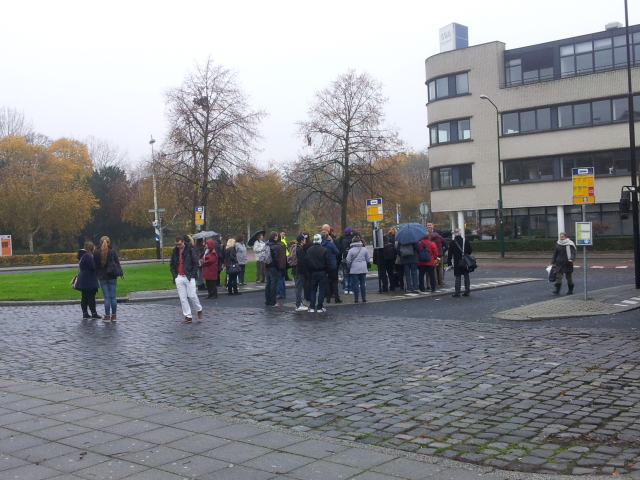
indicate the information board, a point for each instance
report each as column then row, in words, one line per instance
column 374, row 210
column 583, row 186
column 584, row 233
column 199, row 215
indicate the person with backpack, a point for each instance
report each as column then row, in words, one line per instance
column 270, row 257
column 427, row 254
column 344, row 243
column 408, row 253
column 298, row 264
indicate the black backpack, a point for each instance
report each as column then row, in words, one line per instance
column 390, row 252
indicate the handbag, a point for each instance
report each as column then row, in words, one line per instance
column 368, row 265
column 235, row 268
column 114, row 270
column 73, row 282
column 552, row 273
column 467, row 262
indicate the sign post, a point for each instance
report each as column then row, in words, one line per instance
column 424, row 211
column 375, row 214
column 199, row 217
column 583, row 193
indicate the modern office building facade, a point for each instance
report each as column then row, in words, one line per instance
column 558, row 105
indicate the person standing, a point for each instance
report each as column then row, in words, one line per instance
column 241, row 254
column 258, row 246
column 457, row 247
column 426, row 268
column 285, row 276
column 108, row 270
column 409, row 260
column 272, row 271
column 87, row 281
column 199, row 246
column 332, row 278
column 344, row 243
column 318, row 266
column 217, row 239
column 389, row 263
column 233, row 267
column 299, row 270
column 184, row 268
column 357, row 260
column 441, row 244
column 210, row 269
column 562, row 261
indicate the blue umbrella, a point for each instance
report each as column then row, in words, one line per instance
column 410, row 233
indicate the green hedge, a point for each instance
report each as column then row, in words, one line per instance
column 601, row 244
column 66, row 258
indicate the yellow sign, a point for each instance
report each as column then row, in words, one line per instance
column 583, row 186
column 374, row 210
column 199, row 215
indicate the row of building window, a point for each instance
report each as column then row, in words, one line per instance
column 452, row 177
column 452, row 131
column 597, row 112
column 540, row 169
column 449, row 86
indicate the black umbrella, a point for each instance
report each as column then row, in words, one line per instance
column 254, row 237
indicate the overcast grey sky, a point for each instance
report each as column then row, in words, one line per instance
column 80, row 68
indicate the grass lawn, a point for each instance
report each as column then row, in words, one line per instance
column 56, row 286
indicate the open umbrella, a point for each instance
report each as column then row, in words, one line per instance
column 198, row 235
column 410, row 233
column 254, row 237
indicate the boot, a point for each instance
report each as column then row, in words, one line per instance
column 556, row 289
column 570, row 292
column 113, row 318
column 337, row 299
column 328, row 298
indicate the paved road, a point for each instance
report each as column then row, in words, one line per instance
column 429, row 376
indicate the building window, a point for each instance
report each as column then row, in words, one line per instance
column 597, row 112
column 452, row 177
column 540, row 169
column 449, row 86
column 451, row 131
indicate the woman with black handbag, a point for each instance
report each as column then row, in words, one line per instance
column 87, row 282
column 457, row 247
column 108, row 270
column 233, row 267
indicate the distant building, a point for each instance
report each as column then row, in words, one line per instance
column 562, row 104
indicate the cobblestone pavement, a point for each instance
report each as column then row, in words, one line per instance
column 522, row 398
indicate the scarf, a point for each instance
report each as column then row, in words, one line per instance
column 567, row 245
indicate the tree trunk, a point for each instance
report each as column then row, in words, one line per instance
column 31, row 242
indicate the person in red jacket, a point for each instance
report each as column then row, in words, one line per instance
column 427, row 267
column 210, row 269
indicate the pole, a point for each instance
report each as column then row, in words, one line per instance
column 584, row 254
column 155, row 201
column 632, row 146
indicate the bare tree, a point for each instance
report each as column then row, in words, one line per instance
column 104, row 154
column 12, row 122
column 213, row 130
column 351, row 148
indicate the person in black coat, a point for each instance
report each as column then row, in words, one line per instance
column 457, row 246
column 318, row 266
column 562, row 261
column 87, row 281
column 231, row 259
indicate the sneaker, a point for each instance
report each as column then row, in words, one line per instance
column 200, row 314
column 95, row 315
column 321, row 310
column 106, row 318
column 312, row 310
column 302, row 308
column 187, row 320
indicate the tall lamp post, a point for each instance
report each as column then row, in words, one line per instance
column 156, row 223
column 484, row 97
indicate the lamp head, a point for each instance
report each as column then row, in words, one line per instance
column 484, row 97
column 152, row 141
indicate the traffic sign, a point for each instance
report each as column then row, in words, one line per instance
column 424, row 209
column 583, row 185
column 199, row 215
column 374, row 210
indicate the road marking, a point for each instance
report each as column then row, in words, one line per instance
column 623, row 266
column 629, row 302
column 635, row 298
column 620, row 305
column 595, row 266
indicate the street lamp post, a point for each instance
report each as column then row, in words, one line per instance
column 156, row 223
column 484, row 97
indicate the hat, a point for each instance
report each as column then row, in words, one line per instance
column 348, row 230
column 317, row 238
column 299, row 238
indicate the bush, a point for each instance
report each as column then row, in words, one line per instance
column 69, row 258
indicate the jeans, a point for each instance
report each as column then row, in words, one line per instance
column 232, row 283
column 241, row 274
column 282, row 290
column 411, row 275
column 109, row 292
column 299, row 283
column 346, row 282
column 318, row 284
column 424, row 271
column 260, row 273
column 271, row 287
column 359, row 282
column 467, row 283
column 187, row 292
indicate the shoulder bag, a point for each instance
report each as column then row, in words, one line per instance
column 467, row 262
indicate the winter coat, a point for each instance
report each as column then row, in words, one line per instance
column 318, row 259
column 333, row 251
column 210, row 262
column 408, row 260
column 433, row 251
column 241, row 253
column 456, row 254
column 344, row 242
column 275, row 254
column 230, row 256
column 282, row 256
column 101, row 270
column 390, row 252
column 357, row 258
column 560, row 258
column 440, row 243
column 301, row 255
column 190, row 259
column 219, row 251
column 87, row 278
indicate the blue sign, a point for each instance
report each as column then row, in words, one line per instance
column 397, row 217
column 374, row 201
column 582, row 171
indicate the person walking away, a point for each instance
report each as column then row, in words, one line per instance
column 108, row 269
column 241, row 254
column 184, row 269
column 332, row 275
column 390, row 256
column 409, row 260
column 562, row 261
column 318, row 266
column 210, row 269
column 344, row 243
column 299, row 270
column 87, row 281
column 457, row 247
column 231, row 260
column 357, row 259
column 426, row 267
column 258, row 246
column 272, row 271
